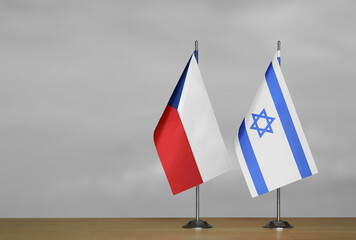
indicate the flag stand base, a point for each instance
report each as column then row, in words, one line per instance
column 278, row 224
column 200, row 224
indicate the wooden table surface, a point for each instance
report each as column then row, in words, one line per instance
column 170, row 228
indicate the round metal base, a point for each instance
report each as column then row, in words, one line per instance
column 278, row 224
column 197, row 224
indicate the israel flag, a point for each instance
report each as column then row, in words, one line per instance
column 271, row 145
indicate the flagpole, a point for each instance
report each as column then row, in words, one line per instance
column 278, row 189
column 197, row 223
column 197, row 187
column 278, row 223
column 278, row 204
column 197, row 203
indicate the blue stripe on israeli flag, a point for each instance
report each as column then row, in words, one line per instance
column 287, row 122
column 251, row 160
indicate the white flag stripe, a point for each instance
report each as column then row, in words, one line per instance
column 197, row 117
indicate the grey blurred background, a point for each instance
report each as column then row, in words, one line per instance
column 84, row 83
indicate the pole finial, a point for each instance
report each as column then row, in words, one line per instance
column 196, row 45
column 278, row 45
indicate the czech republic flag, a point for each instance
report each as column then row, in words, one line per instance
column 187, row 136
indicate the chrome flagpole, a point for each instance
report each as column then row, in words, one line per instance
column 197, row 203
column 278, row 223
column 197, row 222
column 278, row 204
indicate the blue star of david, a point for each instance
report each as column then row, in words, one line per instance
column 269, row 121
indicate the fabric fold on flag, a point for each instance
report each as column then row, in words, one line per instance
column 271, row 146
column 187, row 137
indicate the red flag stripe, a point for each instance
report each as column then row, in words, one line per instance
column 175, row 152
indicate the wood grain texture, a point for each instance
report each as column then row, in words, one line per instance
column 170, row 228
